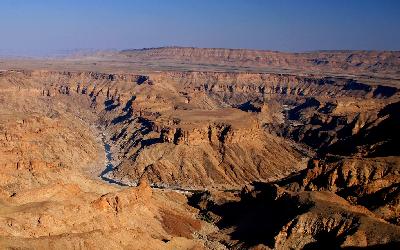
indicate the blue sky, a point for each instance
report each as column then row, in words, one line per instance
column 40, row 26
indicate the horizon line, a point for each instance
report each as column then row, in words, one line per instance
column 60, row 53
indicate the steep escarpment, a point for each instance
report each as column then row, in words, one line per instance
column 342, row 126
column 372, row 182
column 367, row 66
column 373, row 137
column 342, row 62
column 268, row 216
column 284, row 84
column 355, row 154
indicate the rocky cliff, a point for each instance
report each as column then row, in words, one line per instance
column 342, row 62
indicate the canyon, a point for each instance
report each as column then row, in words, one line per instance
column 187, row 148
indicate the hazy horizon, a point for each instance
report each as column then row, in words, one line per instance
column 51, row 28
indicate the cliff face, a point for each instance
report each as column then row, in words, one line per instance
column 216, row 127
column 348, row 62
column 284, row 84
column 372, row 182
column 269, row 216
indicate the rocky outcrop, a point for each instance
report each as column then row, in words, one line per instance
column 125, row 199
column 212, row 132
column 268, row 216
column 342, row 127
column 330, row 222
column 372, row 182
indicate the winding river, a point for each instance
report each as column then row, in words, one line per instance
column 109, row 167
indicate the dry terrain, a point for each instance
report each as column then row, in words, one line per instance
column 186, row 148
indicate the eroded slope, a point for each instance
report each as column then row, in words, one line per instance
column 50, row 195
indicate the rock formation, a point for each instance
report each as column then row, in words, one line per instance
column 266, row 150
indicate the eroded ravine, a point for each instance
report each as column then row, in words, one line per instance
column 109, row 166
